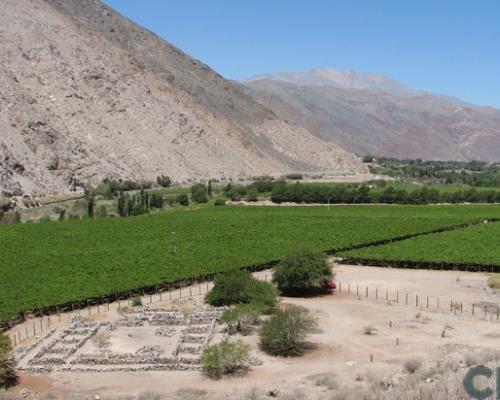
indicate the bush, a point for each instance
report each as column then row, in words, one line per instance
column 242, row 317
column 136, row 302
column 294, row 176
column 199, row 193
column 220, row 202
column 285, row 333
column 182, row 199
column 11, row 217
column 494, row 281
column 240, row 286
column 7, row 364
column 412, row 365
column 5, row 204
column 252, row 194
column 302, row 270
column 225, row 358
column 163, row 181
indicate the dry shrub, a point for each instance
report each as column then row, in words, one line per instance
column 494, row 281
column 369, row 330
column 149, row 395
column 412, row 365
column 325, row 380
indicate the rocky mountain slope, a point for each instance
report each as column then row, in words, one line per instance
column 87, row 94
column 372, row 114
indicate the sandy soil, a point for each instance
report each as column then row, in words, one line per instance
column 341, row 348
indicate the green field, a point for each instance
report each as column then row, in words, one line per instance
column 55, row 263
column 477, row 245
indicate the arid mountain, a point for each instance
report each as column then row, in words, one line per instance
column 342, row 79
column 87, row 94
column 371, row 114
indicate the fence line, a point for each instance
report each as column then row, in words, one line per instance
column 485, row 311
column 36, row 327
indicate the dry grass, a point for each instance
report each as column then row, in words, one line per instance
column 494, row 281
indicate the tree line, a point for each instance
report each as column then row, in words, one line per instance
column 363, row 194
column 472, row 173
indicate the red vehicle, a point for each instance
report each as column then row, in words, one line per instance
column 330, row 285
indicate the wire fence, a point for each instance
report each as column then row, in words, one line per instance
column 34, row 328
column 481, row 310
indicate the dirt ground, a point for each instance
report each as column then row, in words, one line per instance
column 342, row 351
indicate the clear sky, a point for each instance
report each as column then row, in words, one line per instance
column 448, row 47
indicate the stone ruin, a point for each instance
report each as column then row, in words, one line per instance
column 179, row 344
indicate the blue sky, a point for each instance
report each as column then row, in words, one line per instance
column 448, row 47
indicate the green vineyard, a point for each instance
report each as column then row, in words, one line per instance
column 56, row 263
column 474, row 246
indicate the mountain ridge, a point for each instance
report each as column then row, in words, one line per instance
column 392, row 123
column 87, row 94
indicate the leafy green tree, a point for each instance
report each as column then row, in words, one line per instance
column 239, row 286
column 91, row 206
column 122, row 205
column 209, row 188
column 285, row 333
column 138, row 209
column 156, row 201
column 130, row 205
column 302, row 270
column 225, row 358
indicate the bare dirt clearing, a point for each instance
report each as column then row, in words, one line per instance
column 343, row 354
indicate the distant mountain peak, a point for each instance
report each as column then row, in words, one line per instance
column 341, row 78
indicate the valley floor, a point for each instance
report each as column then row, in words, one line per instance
column 343, row 359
